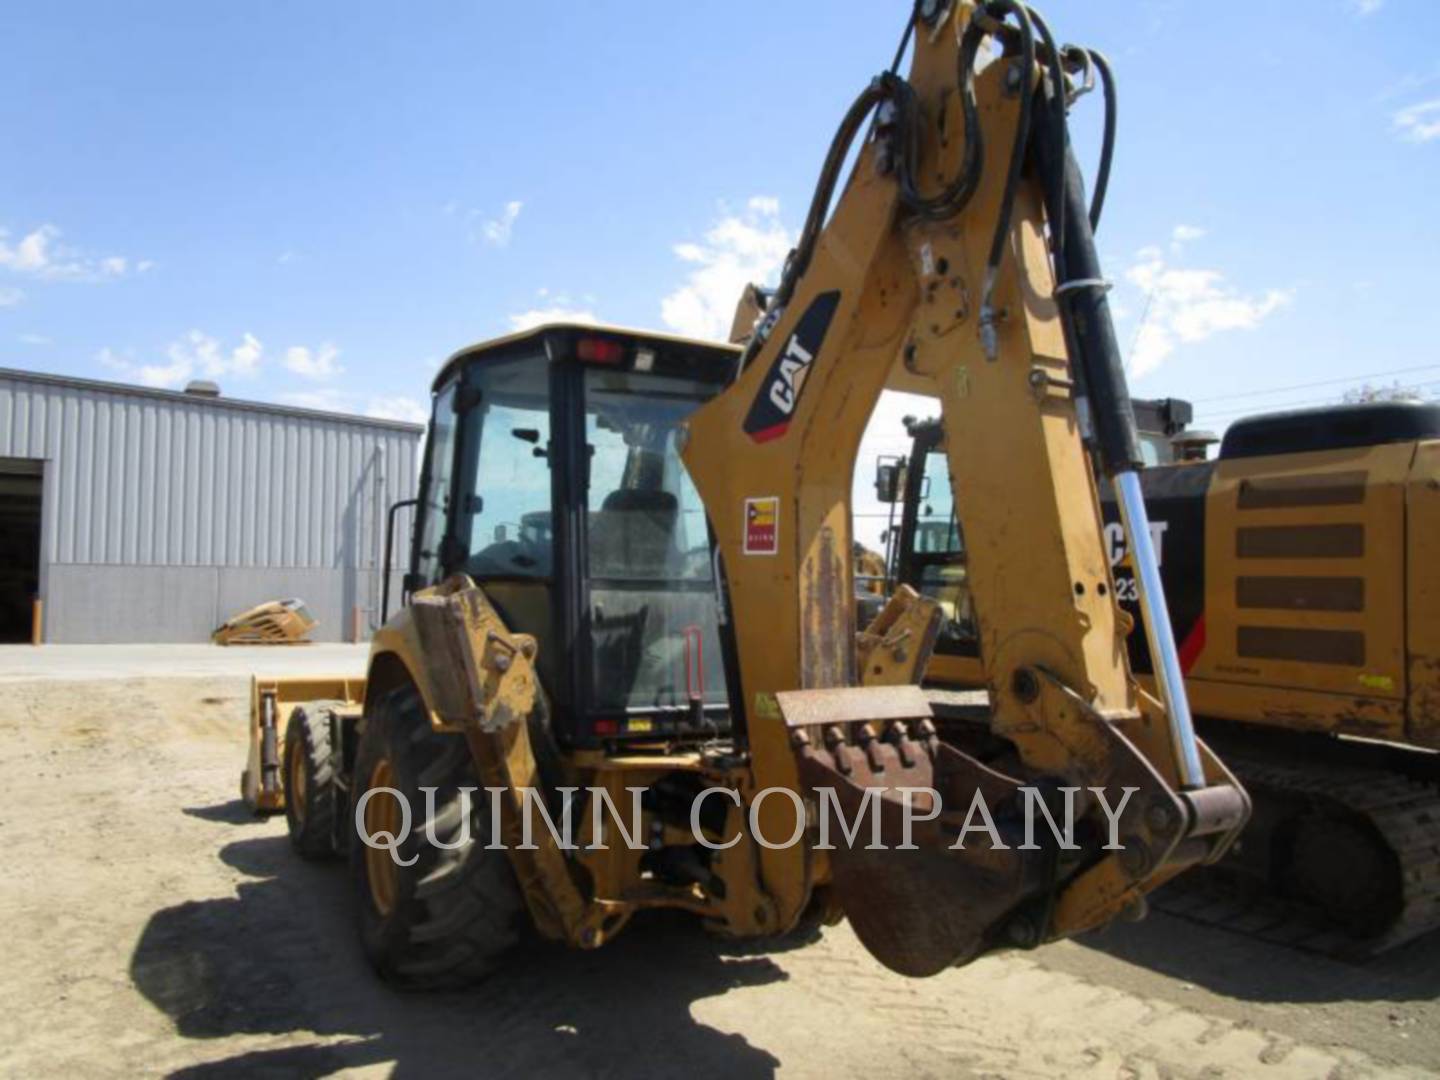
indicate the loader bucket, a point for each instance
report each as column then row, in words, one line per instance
column 278, row 622
column 271, row 703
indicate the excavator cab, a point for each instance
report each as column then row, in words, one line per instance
column 553, row 481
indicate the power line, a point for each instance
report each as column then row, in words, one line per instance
column 1323, row 382
column 1220, row 414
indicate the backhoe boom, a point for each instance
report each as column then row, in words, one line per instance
column 937, row 262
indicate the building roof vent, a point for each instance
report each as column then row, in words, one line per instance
column 202, row 388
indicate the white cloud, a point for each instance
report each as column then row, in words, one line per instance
column 1185, row 306
column 1185, row 234
column 34, row 339
column 39, row 254
column 115, row 361
column 199, row 353
column 326, row 399
column 196, row 354
column 313, row 363
column 381, row 407
column 737, row 250
column 1366, row 7
column 10, row 297
column 397, row 408
column 164, row 376
column 528, row 320
column 496, row 231
column 246, row 356
column 1419, row 123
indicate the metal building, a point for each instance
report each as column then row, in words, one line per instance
column 133, row 514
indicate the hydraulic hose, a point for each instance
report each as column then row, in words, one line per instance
column 1057, row 103
column 1107, row 146
column 1000, row 9
column 799, row 259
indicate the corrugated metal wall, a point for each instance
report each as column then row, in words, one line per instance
column 137, row 478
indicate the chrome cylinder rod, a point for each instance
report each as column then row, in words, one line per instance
column 1164, row 656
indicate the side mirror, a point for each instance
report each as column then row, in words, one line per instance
column 889, row 481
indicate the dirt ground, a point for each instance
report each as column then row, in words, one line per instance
column 152, row 927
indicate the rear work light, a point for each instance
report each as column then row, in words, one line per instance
column 599, row 351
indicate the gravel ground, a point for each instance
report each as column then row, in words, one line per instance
column 153, row 927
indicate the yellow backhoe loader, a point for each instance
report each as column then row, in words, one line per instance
column 630, row 589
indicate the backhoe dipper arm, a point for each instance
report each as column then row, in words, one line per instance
column 936, row 262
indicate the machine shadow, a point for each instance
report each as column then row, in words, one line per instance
column 1228, row 962
column 234, row 812
column 282, row 958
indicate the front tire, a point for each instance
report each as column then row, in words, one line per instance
column 447, row 918
column 312, row 783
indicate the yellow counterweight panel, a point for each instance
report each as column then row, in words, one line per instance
column 1303, row 589
column 1422, row 610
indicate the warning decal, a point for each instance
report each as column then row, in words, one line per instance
column 762, row 526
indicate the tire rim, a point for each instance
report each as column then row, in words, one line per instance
column 382, row 814
column 297, row 781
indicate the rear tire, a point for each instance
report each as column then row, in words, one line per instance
column 447, row 918
column 312, row 782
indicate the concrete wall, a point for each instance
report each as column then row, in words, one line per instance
column 95, row 604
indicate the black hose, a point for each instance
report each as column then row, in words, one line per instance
column 890, row 87
column 799, row 259
column 1000, row 9
column 1107, row 146
column 905, row 38
column 958, row 193
column 1058, row 110
column 850, row 126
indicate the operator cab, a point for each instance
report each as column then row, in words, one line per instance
column 928, row 546
column 553, row 478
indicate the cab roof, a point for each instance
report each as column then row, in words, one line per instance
column 559, row 340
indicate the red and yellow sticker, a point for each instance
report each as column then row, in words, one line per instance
column 762, row 525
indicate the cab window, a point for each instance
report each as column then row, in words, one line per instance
column 654, row 620
column 502, row 520
column 439, row 477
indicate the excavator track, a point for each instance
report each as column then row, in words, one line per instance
column 1393, row 813
column 1391, row 791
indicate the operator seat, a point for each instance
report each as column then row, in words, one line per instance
column 633, row 534
column 632, row 538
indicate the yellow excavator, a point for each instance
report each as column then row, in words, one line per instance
column 1303, row 589
column 630, row 589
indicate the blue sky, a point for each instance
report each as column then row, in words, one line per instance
column 316, row 203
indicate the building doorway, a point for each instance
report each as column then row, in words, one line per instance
column 21, row 485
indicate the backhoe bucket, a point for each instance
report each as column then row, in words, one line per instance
column 940, row 858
